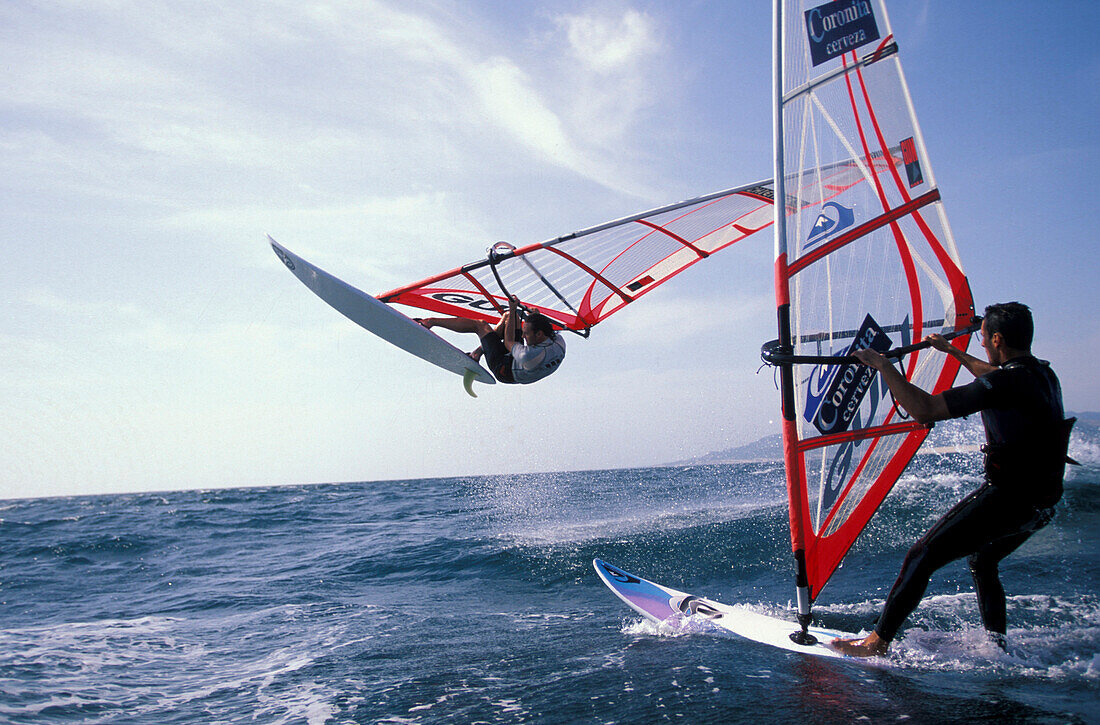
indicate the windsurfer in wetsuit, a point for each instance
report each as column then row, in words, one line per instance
column 532, row 354
column 1020, row 400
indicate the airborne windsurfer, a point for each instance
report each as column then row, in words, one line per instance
column 511, row 361
column 1020, row 400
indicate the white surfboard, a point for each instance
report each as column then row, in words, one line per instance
column 384, row 321
column 661, row 604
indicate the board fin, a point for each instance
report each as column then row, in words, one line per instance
column 468, row 377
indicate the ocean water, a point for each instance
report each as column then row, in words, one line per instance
column 474, row 600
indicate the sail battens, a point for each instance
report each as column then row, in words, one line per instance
column 595, row 275
column 858, row 435
column 581, row 278
column 884, row 50
column 481, row 288
column 678, row 238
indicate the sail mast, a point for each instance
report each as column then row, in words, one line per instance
column 795, row 489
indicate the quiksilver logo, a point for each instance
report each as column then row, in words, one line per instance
column 832, row 219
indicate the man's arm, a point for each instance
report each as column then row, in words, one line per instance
column 923, row 406
column 510, row 324
column 976, row 366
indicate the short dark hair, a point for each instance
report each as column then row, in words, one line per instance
column 1013, row 321
column 541, row 323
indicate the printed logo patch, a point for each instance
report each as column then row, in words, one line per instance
column 838, row 27
column 832, row 219
column 912, row 162
column 619, row 575
column 847, row 384
column 283, row 256
column 459, row 298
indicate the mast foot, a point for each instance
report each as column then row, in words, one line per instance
column 803, row 638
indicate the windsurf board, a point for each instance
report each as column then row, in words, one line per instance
column 376, row 316
column 661, row 604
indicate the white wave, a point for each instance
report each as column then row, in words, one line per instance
column 119, row 665
column 571, row 508
column 672, row 627
column 537, row 531
column 1086, row 452
column 1056, row 638
column 1050, row 636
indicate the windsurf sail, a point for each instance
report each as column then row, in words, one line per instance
column 579, row 279
column 868, row 263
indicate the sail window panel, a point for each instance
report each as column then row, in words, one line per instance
column 865, row 460
column 825, row 324
column 834, row 128
column 639, row 258
column 837, row 292
column 661, row 271
column 839, row 476
column 568, row 278
column 754, row 219
column 632, row 241
column 936, row 294
column 891, row 125
column 709, row 227
column 817, row 471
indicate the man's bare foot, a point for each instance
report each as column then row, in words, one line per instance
column 424, row 322
column 870, row 646
column 475, row 355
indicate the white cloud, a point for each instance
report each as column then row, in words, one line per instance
column 378, row 242
column 348, row 92
column 612, row 43
column 508, row 98
column 615, row 72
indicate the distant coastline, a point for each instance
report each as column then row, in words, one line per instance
column 950, row 436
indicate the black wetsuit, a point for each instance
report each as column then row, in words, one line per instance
column 1021, row 407
column 497, row 356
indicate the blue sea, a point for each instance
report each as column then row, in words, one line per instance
column 473, row 600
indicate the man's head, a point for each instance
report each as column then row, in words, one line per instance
column 1007, row 330
column 537, row 328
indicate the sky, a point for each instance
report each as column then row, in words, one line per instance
column 150, row 340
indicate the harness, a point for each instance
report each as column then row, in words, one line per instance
column 1038, row 469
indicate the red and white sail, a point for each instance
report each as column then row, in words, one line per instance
column 580, row 279
column 870, row 262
